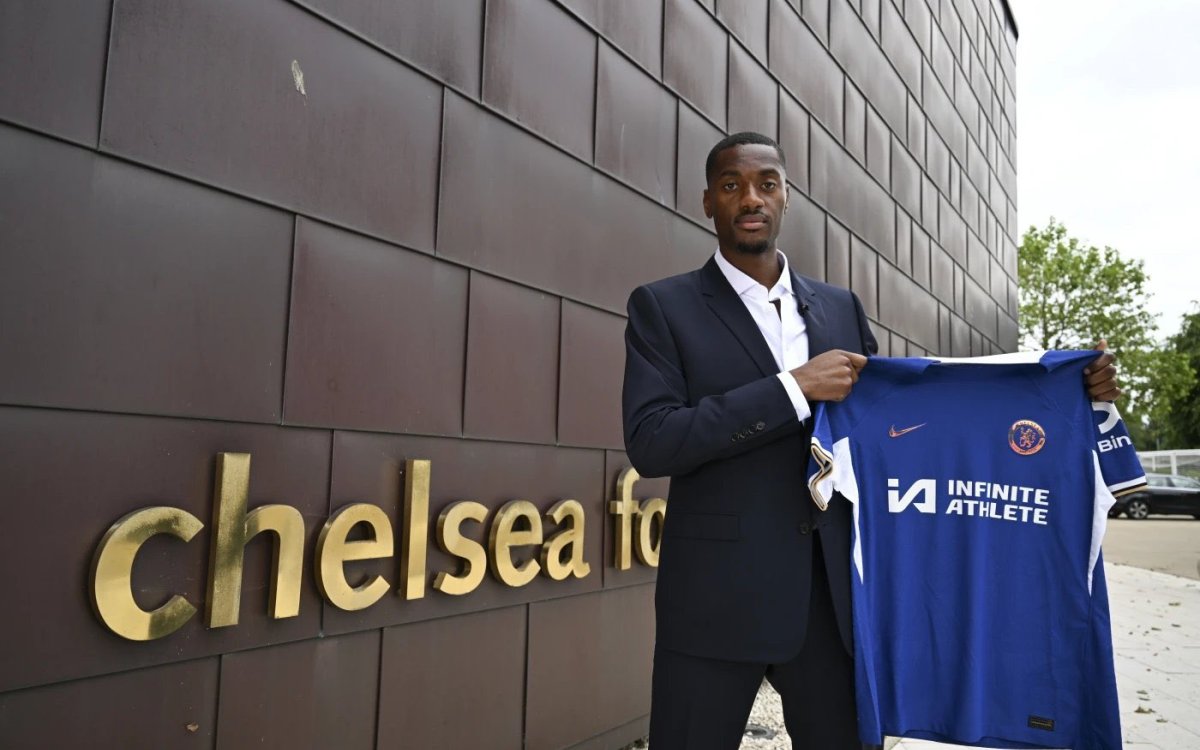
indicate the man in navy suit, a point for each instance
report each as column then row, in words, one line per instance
column 722, row 367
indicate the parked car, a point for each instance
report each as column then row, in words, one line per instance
column 1165, row 494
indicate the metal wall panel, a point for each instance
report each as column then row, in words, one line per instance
column 52, row 65
column 171, row 706
column 265, row 100
column 377, row 337
column 457, row 682
column 629, row 102
column 539, row 66
column 441, row 39
column 512, row 362
column 589, row 389
column 412, row 227
column 695, row 57
column 561, row 709
column 109, row 278
column 317, row 694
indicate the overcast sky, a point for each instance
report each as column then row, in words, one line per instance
column 1108, row 133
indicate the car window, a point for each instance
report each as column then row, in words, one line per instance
column 1187, row 482
column 1156, row 481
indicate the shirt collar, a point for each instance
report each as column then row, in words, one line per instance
column 742, row 283
column 1049, row 360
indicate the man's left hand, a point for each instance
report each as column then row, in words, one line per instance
column 1100, row 377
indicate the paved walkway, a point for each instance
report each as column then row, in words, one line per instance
column 1168, row 544
column 1156, row 634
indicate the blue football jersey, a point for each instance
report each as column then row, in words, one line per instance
column 980, row 492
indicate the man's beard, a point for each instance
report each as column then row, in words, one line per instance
column 753, row 248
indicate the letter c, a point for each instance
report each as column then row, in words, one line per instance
column 112, row 574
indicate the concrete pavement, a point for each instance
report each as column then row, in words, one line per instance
column 1168, row 544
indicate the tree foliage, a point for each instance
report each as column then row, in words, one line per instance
column 1181, row 415
column 1073, row 294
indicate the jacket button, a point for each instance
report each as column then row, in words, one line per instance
column 733, row 439
column 760, row 426
column 805, row 528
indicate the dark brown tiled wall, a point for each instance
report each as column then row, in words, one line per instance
column 695, row 65
column 171, row 706
column 110, row 276
column 456, row 682
column 267, row 101
column 539, row 66
column 440, row 38
column 318, row 693
column 52, row 66
column 512, row 333
column 377, row 336
column 575, row 693
column 339, row 234
column 635, row 126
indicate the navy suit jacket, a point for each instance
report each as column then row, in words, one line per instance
column 702, row 404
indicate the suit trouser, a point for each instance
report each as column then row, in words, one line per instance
column 703, row 704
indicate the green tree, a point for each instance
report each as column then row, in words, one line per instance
column 1181, row 415
column 1073, row 294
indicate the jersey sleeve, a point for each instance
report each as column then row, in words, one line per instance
column 820, row 464
column 1119, row 465
column 831, row 468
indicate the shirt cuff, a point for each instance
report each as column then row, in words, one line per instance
column 803, row 410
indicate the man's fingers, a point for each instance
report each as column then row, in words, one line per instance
column 829, row 376
column 1095, row 377
column 1110, row 394
column 1101, row 345
column 1104, row 360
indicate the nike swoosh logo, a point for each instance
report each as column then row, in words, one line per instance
column 893, row 432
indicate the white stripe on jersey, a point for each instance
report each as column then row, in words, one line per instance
column 1131, row 484
column 1103, row 501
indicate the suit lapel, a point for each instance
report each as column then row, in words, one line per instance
column 813, row 310
column 727, row 306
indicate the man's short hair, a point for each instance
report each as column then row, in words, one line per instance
column 745, row 138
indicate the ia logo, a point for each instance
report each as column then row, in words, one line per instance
column 926, row 488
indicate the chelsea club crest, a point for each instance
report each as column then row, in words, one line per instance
column 1026, row 437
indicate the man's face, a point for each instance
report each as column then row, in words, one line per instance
column 746, row 198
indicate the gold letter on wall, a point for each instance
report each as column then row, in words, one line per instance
column 569, row 539
column 333, row 550
column 452, row 541
column 504, row 537
column 624, row 508
column 112, row 573
column 233, row 527
column 416, row 529
column 648, row 542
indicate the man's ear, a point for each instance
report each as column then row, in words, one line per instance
column 707, row 204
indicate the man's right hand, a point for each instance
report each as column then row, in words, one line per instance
column 830, row 375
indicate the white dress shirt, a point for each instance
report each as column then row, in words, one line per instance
column 784, row 329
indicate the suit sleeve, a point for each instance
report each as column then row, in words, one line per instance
column 667, row 436
column 869, row 344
